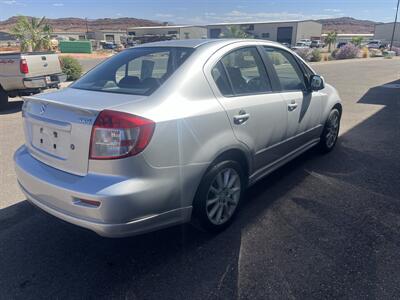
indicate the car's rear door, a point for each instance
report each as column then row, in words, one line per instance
column 303, row 107
column 257, row 115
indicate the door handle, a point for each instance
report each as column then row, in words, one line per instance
column 292, row 106
column 241, row 117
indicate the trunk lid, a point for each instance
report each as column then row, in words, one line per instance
column 58, row 125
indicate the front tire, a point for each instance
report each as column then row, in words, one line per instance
column 330, row 133
column 3, row 98
column 218, row 197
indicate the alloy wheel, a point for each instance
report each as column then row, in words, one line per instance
column 223, row 196
column 332, row 130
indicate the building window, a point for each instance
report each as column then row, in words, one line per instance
column 82, row 37
column 265, row 35
column 131, row 33
column 187, row 35
column 251, row 27
column 173, row 32
column 215, row 33
column 109, row 37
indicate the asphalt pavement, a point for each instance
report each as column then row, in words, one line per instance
column 323, row 226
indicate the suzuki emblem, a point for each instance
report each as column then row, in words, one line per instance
column 43, row 109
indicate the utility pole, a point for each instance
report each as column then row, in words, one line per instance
column 87, row 28
column 394, row 25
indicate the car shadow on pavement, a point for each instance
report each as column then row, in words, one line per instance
column 12, row 107
column 323, row 226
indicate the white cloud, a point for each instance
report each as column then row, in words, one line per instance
column 10, row 2
column 58, row 4
column 333, row 10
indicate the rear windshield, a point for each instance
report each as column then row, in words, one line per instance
column 137, row 71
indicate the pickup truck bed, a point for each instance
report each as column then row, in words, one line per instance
column 24, row 74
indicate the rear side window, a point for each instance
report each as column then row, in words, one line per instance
column 138, row 71
column 244, row 71
column 289, row 73
column 220, row 78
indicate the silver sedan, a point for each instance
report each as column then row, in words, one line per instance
column 170, row 132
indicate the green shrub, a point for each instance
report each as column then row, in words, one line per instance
column 71, row 67
column 316, row 55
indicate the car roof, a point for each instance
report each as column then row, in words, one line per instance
column 189, row 43
column 195, row 43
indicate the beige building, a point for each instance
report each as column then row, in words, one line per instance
column 280, row 31
column 384, row 33
column 69, row 35
column 177, row 31
column 114, row 36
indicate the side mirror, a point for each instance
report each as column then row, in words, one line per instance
column 316, row 83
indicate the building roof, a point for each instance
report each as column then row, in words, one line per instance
column 165, row 27
column 260, row 22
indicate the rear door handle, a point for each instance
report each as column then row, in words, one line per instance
column 241, row 118
column 292, row 106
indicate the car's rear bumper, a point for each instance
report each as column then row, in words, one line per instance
column 127, row 207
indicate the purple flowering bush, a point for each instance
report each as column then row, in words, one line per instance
column 347, row 51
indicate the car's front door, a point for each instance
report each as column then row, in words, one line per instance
column 257, row 115
column 304, row 108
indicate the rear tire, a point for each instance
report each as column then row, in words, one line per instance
column 3, row 98
column 330, row 133
column 218, row 197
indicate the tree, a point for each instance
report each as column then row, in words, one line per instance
column 357, row 41
column 235, row 32
column 33, row 34
column 331, row 39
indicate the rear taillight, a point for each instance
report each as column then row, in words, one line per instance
column 23, row 66
column 117, row 135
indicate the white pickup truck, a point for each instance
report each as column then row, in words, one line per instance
column 24, row 74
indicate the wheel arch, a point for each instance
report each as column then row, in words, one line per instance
column 236, row 154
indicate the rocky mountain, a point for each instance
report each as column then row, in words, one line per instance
column 79, row 25
column 341, row 25
column 347, row 25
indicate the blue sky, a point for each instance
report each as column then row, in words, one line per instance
column 200, row 12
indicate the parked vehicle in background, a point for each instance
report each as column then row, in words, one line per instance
column 376, row 44
column 306, row 42
column 317, row 44
column 301, row 45
column 109, row 46
column 23, row 74
column 340, row 45
column 287, row 45
column 169, row 132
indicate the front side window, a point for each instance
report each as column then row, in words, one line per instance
column 137, row 71
column 245, row 72
column 289, row 74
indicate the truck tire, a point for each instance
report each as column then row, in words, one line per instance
column 3, row 98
